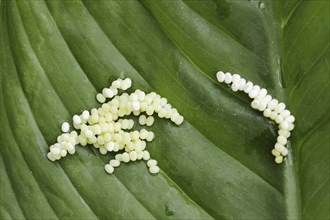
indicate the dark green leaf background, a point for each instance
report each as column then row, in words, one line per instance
column 55, row 56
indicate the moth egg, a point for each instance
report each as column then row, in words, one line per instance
column 148, row 99
column 109, row 169
column 136, row 105
column 119, row 157
column 262, row 93
column 175, row 116
column 118, row 138
column 285, row 113
column 149, row 110
column 73, row 134
column 63, row 153
column 284, row 125
column 168, row 107
column 69, row 146
column 103, row 150
column 253, row 93
column 97, row 129
column 267, row 113
column 123, row 86
column 242, row 84
column 105, row 107
column 152, row 95
column 114, row 111
column 143, row 134
column 236, row 78
column 139, row 155
column 142, row 120
column 257, row 88
column 221, row 76
column 94, row 119
column 116, row 84
column 94, row 111
column 116, row 147
column 179, row 121
column 255, row 104
column 128, row 82
column 282, row 140
column 235, row 86
column 104, row 128
column 89, row 133
column 111, row 127
column 279, row 147
column 130, row 124
column 114, row 101
column 284, row 133
column 146, row 155
column 82, row 140
column 65, row 137
column 125, row 124
column 267, row 99
column 163, row 101
column 130, row 146
column 55, row 151
column 154, row 169
column 290, row 119
column 117, row 126
column 151, row 163
column 65, row 127
column 126, row 138
column 276, row 153
column 150, row 120
column 228, row 78
column 280, row 107
column 108, row 93
column 92, row 140
column 285, row 151
column 125, row 157
column 279, row 119
column 135, row 135
column 262, row 106
column 279, row 159
column 162, row 113
column 72, row 151
column 290, row 127
column 100, row 98
column 143, row 145
column 134, row 97
column 100, row 140
column 85, row 115
column 150, row 136
column 56, row 157
column 273, row 115
column 76, row 119
column 133, row 155
column 156, row 107
column 50, row 157
column 272, row 104
column 114, row 90
column 138, row 146
column 141, row 95
column 114, row 163
column 248, row 87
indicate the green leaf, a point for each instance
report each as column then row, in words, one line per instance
column 55, row 56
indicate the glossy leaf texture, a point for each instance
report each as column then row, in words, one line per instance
column 55, row 56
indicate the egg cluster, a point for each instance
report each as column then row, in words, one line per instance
column 265, row 103
column 107, row 130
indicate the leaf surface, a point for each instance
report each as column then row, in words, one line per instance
column 57, row 54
